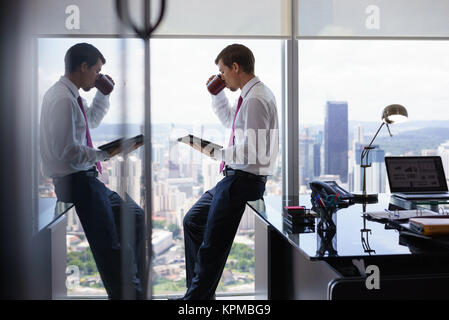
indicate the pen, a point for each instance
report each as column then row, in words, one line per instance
column 320, row 201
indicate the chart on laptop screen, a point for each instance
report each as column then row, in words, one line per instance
column 418, row 173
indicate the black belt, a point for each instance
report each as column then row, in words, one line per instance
column 89, row 173
column 231, row 172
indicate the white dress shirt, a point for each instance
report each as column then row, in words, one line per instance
column 256, row 143
column 63, row 143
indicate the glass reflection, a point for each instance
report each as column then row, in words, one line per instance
column 364, row 232
column 326, row 232
column 326, row 242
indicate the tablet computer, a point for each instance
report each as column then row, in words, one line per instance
column 123, row 143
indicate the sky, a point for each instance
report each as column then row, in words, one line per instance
column 369, row 75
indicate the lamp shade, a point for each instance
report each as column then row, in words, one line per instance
column 394, row 113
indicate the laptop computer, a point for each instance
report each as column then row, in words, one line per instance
column 417, row 178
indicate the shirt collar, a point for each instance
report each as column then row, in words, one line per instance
column 66, row 81
column 248, row 86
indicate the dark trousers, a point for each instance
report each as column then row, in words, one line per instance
column 209, row 230
column 101, row 213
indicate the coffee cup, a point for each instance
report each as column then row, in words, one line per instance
column 104, row 84
column 216, row 85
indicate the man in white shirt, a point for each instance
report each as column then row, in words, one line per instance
column 211, row 224
column 69, row 157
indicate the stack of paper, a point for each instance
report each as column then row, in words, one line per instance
column 400, row 214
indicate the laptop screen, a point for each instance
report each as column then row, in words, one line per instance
column 415, row 174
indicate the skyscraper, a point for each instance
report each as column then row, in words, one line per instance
column 376, row 175
column 305, row 157
column 336, row 139
column 357, row 143
column 126, row 176
column 358, row 134
column 174, row 170
column 317, row 147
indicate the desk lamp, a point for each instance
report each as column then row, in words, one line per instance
column 393, row 113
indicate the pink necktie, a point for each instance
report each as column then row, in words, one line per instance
column 231, row 138
column 89, row 140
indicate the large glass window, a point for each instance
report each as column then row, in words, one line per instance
column 124, row 118
column 181, row 105
column 344, row 86
column 347, row 75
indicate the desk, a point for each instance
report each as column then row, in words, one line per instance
column 307, row 266
column 49, row 249
column 50, row 209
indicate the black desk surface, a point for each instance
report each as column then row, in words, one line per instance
column 350, row 226
column 50, row 209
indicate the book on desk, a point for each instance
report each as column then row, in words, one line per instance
column 420, row 221
column 430, row 226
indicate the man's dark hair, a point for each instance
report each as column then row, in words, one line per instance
column 79, row 53
column 237, row 53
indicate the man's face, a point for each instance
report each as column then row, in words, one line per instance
column 89, row 75
column 229, row 75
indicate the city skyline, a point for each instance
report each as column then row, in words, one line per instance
column 363, row 74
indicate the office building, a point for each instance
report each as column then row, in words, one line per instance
column 126, row 176
column 160, row 196
column 174, row 163
column 336, row 139
column 429, row 152
column 247, row 222
column 375, row 175
column 358, row 135
column 73, row 223
column 306, row 157
column 210, row 174
column 161, row 240
column 157, row 154
column 317, row 150
column 307, row 52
